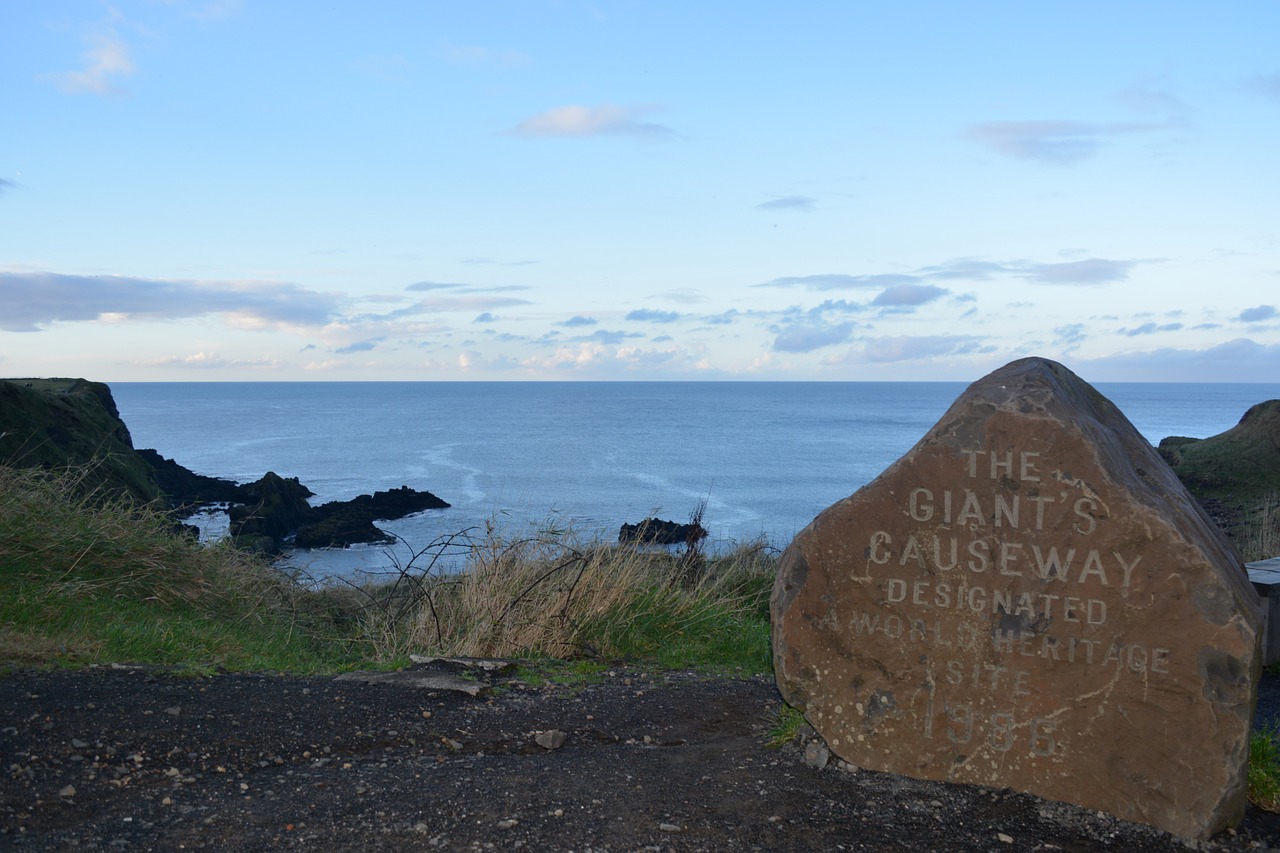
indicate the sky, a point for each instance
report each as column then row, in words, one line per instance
column 260, row 190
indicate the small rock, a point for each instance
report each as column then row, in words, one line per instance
column 508, row 823
column 76, row 743
column 173, row 711
column 550, row 739
column 1005, row 839
column 69, row 791
column 668, row 827
column 816, row 754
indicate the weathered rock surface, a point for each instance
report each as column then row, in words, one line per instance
column 1029, row 599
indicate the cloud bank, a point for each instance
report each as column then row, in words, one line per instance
column 36, row 300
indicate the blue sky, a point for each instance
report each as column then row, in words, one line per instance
column 251, row 190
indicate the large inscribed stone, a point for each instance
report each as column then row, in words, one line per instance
column 1029, row 598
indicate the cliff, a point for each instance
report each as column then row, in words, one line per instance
column 60, row 423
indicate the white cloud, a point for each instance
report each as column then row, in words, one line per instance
column 909, row 295
column 801, row 203
column 204, row 361
column 908, row 286
column 912, row 348
column 840, row 281
column 1059, row 143
column 1258, row 314
column 568, row 357
column 579, row 121
column 650, row 315
column 447, row 304
column 106, row 59
column 807, row 338
column 1090, row 271
column 1151, row 328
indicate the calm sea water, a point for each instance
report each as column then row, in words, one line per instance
column 766, row 457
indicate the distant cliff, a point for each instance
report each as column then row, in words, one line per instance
column 56, row 423
column 1236, row 474
column 72, row 423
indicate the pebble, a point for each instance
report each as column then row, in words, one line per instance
column 69, row 791
column 508, row 823
column 1005, row 839
column 668, row 827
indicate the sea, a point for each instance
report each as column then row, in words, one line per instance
column 518, row 458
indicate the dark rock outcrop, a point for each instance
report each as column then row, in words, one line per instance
column 342, row 523
column 656, row 531
column 186, row 488
column 276, row 507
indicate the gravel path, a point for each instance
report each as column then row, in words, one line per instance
column 137, row 759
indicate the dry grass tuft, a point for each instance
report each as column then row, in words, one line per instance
column 551, row 595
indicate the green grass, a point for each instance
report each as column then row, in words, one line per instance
column 1264, row 768
column 677, row 630
column 90, row 578
column 86, row 578
column 786, row 726
column 562, row 673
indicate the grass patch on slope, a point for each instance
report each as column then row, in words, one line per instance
column 1264, row 768
column 90, row 578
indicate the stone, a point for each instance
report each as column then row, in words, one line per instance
column 1030, row 599
column 423, row 680
column 816, row 754
column 550, row 739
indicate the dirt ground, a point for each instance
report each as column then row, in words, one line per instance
column 138, row 759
